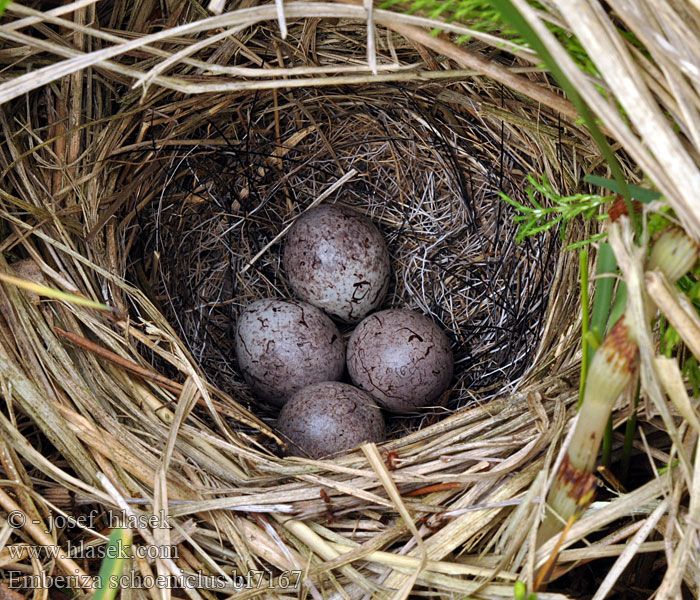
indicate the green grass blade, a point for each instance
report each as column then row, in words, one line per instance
column 585, row 346
column 605, row 284
column 43, row 290
column 638, row 193
column 3, row 6
column 601, row 306
column 619, row 305
column 116, row 555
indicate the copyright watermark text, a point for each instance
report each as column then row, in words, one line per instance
column 18, row 519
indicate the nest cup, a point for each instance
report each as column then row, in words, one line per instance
column 415, row 158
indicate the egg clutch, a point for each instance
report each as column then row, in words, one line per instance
column 292, row 354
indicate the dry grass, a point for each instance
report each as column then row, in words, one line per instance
column 448, row 507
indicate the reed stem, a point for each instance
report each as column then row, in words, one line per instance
column 611, row 370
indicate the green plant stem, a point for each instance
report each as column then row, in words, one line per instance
column 585, row 346
column 601, row 306
column 601, row 313
column 611, row 369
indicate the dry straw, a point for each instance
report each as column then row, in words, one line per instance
column 107, row 104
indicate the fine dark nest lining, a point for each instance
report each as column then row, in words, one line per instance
column 428, row 173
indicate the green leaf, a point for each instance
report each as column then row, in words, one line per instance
column 116, row 554
column 558, row 209
column 619, row 305
column 3, row 6
column 607, row 266
column 593, row 340
column 596, row 238
column 605, row 283
column 519, row 591
column 638, row 193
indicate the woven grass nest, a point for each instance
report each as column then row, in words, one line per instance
column 169, row 202
column 209, row 231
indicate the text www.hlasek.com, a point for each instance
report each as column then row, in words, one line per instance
column 90, row 551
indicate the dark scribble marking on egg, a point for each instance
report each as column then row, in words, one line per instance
column 337, row 260
column 283, row 346
column 329, row 417
column 401, row 358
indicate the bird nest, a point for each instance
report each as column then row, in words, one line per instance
column 173, row 207
column 210, row 228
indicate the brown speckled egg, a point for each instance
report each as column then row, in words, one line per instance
column 329, row 417
column 401, row 358
column 337, row 260
column 285, row 345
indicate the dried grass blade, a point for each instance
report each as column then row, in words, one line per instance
column 630, row 550
column 268, row 544
column 170, row 566
column 676, row 308
column 43, row 412
column 611, row 119
column 43, row 464
column 40, row 17
column 244, row 17
column 216, row 6
column 327, row 192
column 671, row 378
column 597, row 551
column 490, row 69
column 437, row 566
column 371, row 43
column 377, row 463
column 677, row 569
column 281, row 19
column 630, row 257
column 593, row 27
column 153, row 74
column 597, row 518
column 326, row 551
column 106, row 445
column 113, row 357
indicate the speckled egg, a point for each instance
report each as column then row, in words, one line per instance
column 285, row 345
column 401, row 358
column 337, row 260
column 329, row 417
